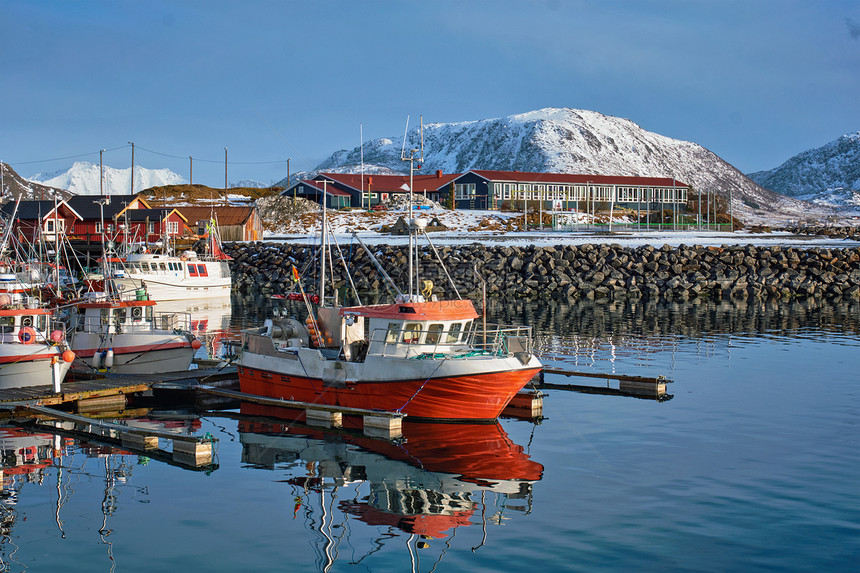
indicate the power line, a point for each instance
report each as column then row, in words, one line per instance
column 220, row 162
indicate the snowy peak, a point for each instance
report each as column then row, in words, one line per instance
column 83, row 179
column 828, row 174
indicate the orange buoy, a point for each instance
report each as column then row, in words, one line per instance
column 68, row 356
column 27, row 335
column 195, row 344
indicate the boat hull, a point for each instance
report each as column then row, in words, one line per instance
column 164, row 290
column 24, row 365
column 134, row 353
column 457, row 393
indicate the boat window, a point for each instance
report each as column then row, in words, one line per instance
column 434, row 334
column 119, row 315
column 412, row 333
column 149, row 312
column 454, row 332
column 162, row 267
column 144, row 267
column 192, row 270
column 202, row 270
column 467, row 328
column 42, row 322
column 7, row 323
column 393, row 332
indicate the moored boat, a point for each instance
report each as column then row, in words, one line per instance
column 33, row 348
column 127, row 336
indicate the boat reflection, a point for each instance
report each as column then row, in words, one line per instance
column 425, row 484
column 210, row 320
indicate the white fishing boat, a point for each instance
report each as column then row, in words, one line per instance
column 424, row 357
column 33, row 348
column 168, row 276
column 126, row 335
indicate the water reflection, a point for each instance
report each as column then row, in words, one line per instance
column 438, row 478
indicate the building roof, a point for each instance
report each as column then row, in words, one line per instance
column 576, row 179
column 87, row 206
column 329, row 189
column 157, row 214
column 226, row 216
column 31, row 210
column 391, row 183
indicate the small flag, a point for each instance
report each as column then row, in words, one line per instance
column 295, row 274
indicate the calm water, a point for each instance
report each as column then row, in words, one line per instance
column 752, row 465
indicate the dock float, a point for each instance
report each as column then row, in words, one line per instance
column 645, row 387
column 376, row 423
column 188, row 451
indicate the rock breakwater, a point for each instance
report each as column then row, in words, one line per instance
column 598, row 271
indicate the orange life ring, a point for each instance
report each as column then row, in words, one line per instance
column 27, row 335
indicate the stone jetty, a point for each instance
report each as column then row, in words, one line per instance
column 592, row 271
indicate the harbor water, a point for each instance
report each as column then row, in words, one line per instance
column 750, row 463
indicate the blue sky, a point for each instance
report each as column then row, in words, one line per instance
column 755, row 81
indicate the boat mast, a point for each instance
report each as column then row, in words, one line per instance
column 412, row 228
column 323, row 244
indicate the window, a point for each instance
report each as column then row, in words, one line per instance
column 454, row 333
column 150, row 227
column 162, row 266
column 434, row 334
column 464, row 190
column 412, row 333
column 98, row 227
column 192, row 270
column 201, row 269
column 393, row 332
column 173, row 227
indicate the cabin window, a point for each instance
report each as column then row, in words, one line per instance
column 42, row 322
column 119, row 315
column 149, row 313
column 393, row 331
column 162, row 267
column 454, row 332
column 144, row 267
column 202, row 270
column 434, row 334
column 412, row 333
column 192, row 270
column 7, row 323
column 467, row 328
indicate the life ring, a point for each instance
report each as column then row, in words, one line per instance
column 27, row 335
column 136, row 312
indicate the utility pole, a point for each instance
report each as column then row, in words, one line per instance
column 190, row 170
column 225, row 176
column 101, row 173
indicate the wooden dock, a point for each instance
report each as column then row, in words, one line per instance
column 645, row 387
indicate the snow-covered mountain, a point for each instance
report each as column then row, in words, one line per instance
column 83, row 179
column 829, row 174
column 564, row 140
column 248, row 184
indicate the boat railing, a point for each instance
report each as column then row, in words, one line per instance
column 495, row 340
column 134, row 323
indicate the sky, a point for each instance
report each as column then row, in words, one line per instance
column 754, row 81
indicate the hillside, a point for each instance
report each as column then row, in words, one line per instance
column 15, row 186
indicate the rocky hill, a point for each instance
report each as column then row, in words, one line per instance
column 15, row 186
column 829, row 174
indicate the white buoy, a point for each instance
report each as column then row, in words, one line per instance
column 97, row 360
column 109, row 358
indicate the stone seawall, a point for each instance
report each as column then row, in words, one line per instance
column 600, row 271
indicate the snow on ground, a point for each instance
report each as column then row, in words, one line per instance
column 488, row 227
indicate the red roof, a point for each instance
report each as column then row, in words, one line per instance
column 576, row 179
column 329, row 189
column 392, row 183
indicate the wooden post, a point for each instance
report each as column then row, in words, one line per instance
column 383, row 427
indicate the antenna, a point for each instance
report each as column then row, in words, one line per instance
column 403, row 147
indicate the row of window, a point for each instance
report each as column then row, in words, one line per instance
column 537, row 192
column 194, row 270
column 172, row 227
column 435, row 333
